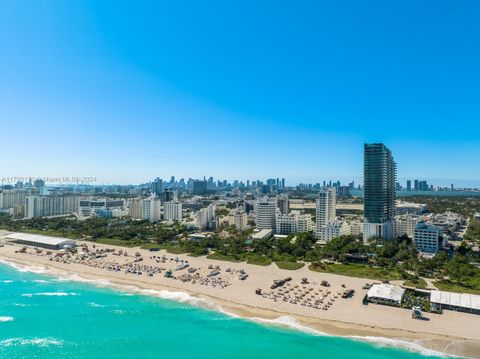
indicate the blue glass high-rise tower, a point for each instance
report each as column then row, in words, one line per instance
column 379, row 177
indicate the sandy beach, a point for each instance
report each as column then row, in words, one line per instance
column 296, row 303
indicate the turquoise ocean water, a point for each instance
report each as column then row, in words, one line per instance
column 44, row 316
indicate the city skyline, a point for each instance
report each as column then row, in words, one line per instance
column 156, row 100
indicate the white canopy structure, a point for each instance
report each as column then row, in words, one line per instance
column 386, row 293
column 456, row 301
column 37, row 240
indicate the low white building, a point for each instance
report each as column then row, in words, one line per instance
column 356, row 228
column 333, row 230
column 36, row 240
column 461, row 302
column 386, row 294
column 264, row 233
column 285, row 224
column 304, row 223
column 101, row 208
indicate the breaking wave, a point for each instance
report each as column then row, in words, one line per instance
column 49, row 294
column 40, row 342
column 6, row 319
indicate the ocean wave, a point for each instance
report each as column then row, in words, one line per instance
column 7, row 281
column 39, row 281
column 95, row 305
column 6, row 319
column 21, row 305
column 41, row 342
column 401, row 344
column 49, row 294
column 286, row 321
column 25, row 268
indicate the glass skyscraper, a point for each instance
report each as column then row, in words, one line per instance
column 379, row 176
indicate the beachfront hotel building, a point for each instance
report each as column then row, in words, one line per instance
column 325, row 209
column 101, row 208
column 46, row 206
column 427, row 238
column 205, row 217
column 239, row 219
column 265, row 211
column 379, row 176
column 172, row 211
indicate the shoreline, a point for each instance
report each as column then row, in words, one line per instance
column 425, row 342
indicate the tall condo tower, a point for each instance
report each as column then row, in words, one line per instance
column 379, row 177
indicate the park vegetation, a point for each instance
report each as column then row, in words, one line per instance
column 378, row 259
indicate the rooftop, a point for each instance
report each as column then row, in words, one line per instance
column 53, row 241
column 386, row 291
column 469, row 301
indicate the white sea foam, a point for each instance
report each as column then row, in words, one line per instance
column 6, row 319
column 95, row 305
column 286, row 321
column 25, row 268
column 7, row 281
column 401, row 344
column 21, row 305
column 39, row 281
column 49, row 294
column 41, row 342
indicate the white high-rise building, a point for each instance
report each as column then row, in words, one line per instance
column 405, row 225
column 10, row 198
column 205, row 216
column 239, row 219
column 325, row 209
column 283, row 203
column 135, row 208
column 172, row 211
column 145, row 209
column 265, row 211
column 155, row 209
column 46, row 206
column 326, row 206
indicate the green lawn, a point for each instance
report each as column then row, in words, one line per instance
column 117, row 242
column 150, row 245
column 356, row 270
column 222, row 257
column 289, row 265
column 258, row 259
column 416, row 283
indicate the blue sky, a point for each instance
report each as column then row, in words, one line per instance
column 127, row 91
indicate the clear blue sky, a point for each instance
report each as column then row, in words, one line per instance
column 127, row 91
